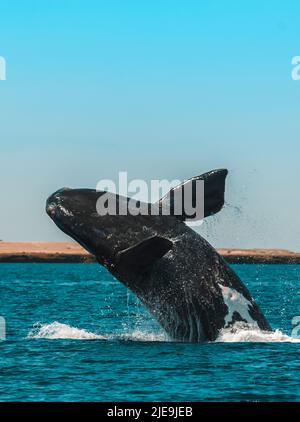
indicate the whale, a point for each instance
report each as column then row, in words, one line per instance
column 176, row 274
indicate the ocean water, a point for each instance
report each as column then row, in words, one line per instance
column 74, row 333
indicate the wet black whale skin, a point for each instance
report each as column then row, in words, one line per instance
column 174, row 271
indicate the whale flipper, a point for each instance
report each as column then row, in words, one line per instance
column 144, row 254
column 214, row 188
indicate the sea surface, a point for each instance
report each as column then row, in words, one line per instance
column 74, row 333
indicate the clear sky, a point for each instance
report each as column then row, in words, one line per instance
column 162, row 89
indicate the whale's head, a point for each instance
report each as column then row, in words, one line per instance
column 77, row 212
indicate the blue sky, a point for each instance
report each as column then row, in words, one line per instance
column 162, row 89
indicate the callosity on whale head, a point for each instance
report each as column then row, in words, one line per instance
column 176, row 274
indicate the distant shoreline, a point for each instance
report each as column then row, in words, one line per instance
column 71, row 252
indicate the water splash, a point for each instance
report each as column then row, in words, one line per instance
column 236, row 209
column 139, row 335
column 247, row 333
column 57, row 330
column 239, row 332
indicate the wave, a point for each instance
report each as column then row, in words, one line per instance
column 238, row 333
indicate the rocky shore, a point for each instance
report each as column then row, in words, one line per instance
column 65, row 252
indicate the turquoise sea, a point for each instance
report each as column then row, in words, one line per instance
column 74, row 333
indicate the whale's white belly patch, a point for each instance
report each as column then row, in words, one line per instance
column 236, row 302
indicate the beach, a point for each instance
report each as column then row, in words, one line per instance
column 71, row 252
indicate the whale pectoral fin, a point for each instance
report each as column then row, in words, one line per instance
column 213, row 197
column 144, row 254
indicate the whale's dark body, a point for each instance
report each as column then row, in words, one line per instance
column 177, row 275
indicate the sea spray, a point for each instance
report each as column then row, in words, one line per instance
column 246, row 333
column 238, row 333
column 59, row 331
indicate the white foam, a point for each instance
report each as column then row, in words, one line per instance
column 236, row 302
column 241, row 332
column 56, row 330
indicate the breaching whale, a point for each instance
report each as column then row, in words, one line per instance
column 182, row 280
